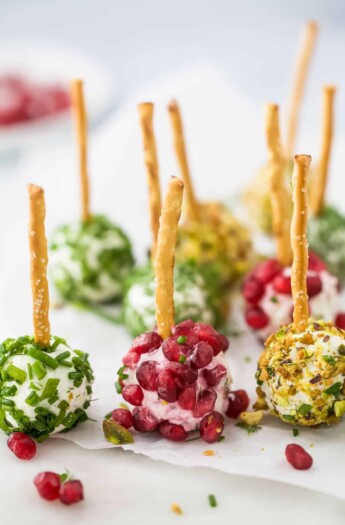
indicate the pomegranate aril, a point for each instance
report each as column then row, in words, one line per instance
column 213, row 376
column 173, row 350
column 315, row 263
column 298, row 457
column 21, row 445
column 183, row 374
column 123, row 417
column 187, row 397
column 48, row 485
column 144, row 420
column 172, row 432
column 282, row 284
column 238, row 402
column 131, row 359
column 256, row 318
column 146, row 343
column 202, row 355
column 225, row 342
column 166, row 387
column 209, row 335
column 133, row 394
column 183, row 325
column 211, row 427
column 186, row 330
column 147, row 375
column 205, row 403
column 253, row 290
column 340, row 321
column 267, row 270
column 71, row 492
column 314, row 285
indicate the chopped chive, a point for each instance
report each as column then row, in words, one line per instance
column 7, row 402
column 212, row 500
column 63, row 405
column 70, row 420
column 75, row 375
column 181, row 339
column 57, row 342
column 39, row 370
column 182, row 358
column 89, row 389
column 16, row 373
column 45, row 358
column 34, row 386
column 67, row 364
column 53, row 399
column 33, row 399
column 295, row 432
column 77, row 383
column 60, row 418
column 304, row 409
column 30, row 372
column 118, row 387
column 86, row 404
column 334, row 389
column 50, row 388
column 9, row 391
column 63, row 356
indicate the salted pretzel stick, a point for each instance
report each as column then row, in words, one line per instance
column 279, row 193
column 317, row 196
column 165, row 257
column 299, row 82
column 38, row 265
column 299, row 241
column 152, row 170
column 78, row 105
column 180, row 150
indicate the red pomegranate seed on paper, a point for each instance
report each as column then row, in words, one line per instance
column 298, row 457
column 48, row 485
column 238, row 402
column 211, row 427
column 71, row 492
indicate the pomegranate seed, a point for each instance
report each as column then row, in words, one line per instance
column 253, row 290
column 211, row 427
column 298, row 457
column 282, row 284
column 183, row 374
column 314, row 285
column 205, row 403
column 48, row 485
column 143, row 420
column 187, row 397
column 315, row 263
column 340, row 321
column 147, row 375
column 225, row 342
column 71, row 492
column 209, row 335
column 202, row 355
column 213, row 376
column 146, row 343
column 184, row 325
column 172, row 432
column 123, row 417
column 267, row 270
column 186, row 330
column 21, row 445
column 166, row 387
column 173, row 350
column 238, row 402
column 131, row 359
column 256, row 318
column 133, row 394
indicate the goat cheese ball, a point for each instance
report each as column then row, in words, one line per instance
column 300, row 376
column 177, row 383
column 90, row 260
column 327, row 238
column 194, row 299
column 43, row 391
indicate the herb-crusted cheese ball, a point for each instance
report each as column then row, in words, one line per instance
column 193, row 297
column 90, row 260
column 43, row 390
column 301, row 375
column 327, row 238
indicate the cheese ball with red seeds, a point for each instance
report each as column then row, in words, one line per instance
column 175, row 384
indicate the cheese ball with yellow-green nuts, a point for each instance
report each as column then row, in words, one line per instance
column 301, row 376
column 217, row 239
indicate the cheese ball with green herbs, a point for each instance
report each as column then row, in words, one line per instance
column 301, row 376
column 194, row 298
column 90, row 260
column 43, row 391
column 326, row 234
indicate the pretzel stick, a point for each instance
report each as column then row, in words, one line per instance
column 152, row 170
column 299, row 242
column 193, row 212
column 299, row 82
column 165, row 257
column 78, row 105
column 279, row 192
column 38, row 265
column 317, row 196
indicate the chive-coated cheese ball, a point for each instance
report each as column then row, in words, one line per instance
column 43, row 391
column 301, row 376
column 90, row 260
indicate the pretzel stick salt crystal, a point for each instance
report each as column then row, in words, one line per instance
column 38, row 265
column 165, row 257
column 299, row 242
column 300, row 77
column 317, row 196
column 180, row 149
column 279, row 192
column 78, row 104
column 152, row 170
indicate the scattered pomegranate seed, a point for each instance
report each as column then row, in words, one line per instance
column 187, row 397
column 298, row 457
column 166, row 387
column 143, row 420
column 146, row 343
column 209, row 335
column 147, row 375
column 182, row 373
column 211, row 427
column 71, row 492
column 133, row 394
column 267, row 270
column 315, row 263
column 256, row 318
column 131, row 359
column 213, row 376
column 282, row 284
column 205, row 403
column 314, row 285
column 123, row 417
column 21, row 445
column 340, row 321
column 173, row 350
column 48, row 485
column 238, row 402
column 172, row 432
column 253, row 290
column 202, row 355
